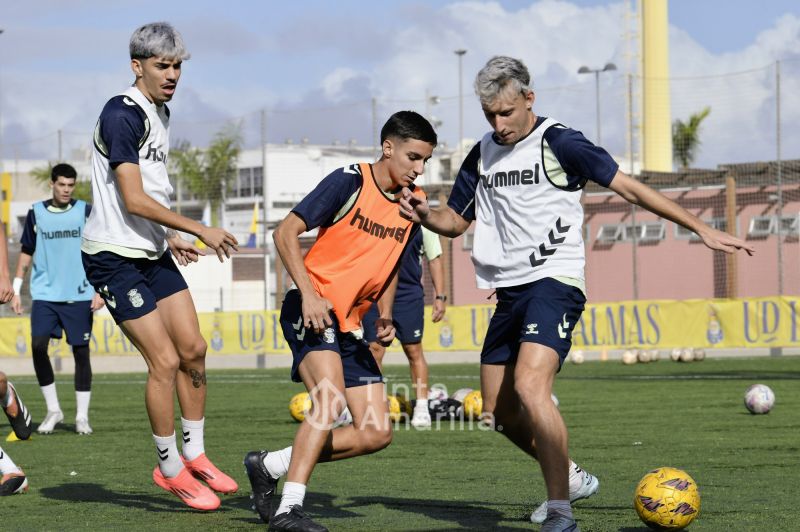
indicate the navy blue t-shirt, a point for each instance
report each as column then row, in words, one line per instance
column 122, row 130
column 319, row 207
column 409, row 283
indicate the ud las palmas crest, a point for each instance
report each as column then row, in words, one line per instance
column 135, row 298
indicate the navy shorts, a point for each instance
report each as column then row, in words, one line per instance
column 542, row 312
column 358, row 364
column 131, row 287
column 50, row 319
column 408, row 318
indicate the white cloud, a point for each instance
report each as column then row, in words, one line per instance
column 61, row 78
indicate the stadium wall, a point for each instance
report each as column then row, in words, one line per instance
column 664, row 324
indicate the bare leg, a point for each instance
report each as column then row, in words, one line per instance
column 322, row 374
column 502, row 405
column 533, row 381
column 378, row 351
column 315, row 442
column 419, row 369
column 180, row 320
column 151, row 338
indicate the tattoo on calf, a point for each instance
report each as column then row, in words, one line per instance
column 198, row 378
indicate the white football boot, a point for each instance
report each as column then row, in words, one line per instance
column 82, row 426
column 50, row 421
column 589, row 486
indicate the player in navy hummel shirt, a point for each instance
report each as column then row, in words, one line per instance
column 521, row 185
column 63, row 300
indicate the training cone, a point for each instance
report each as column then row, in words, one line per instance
column 12, row 437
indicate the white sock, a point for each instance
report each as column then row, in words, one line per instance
column 193, row 445
column 169, row 461
column 575, row 477
column 277, row 462
column 82, row 401
column 421, row 404
column 51, row 397
column 293, row 495
column 7, row 465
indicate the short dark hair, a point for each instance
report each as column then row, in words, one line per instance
column 409, row 125
column 63, row 170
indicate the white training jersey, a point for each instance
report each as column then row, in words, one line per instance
column 525, row 201
column 110, row 222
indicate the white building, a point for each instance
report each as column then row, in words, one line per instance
column 247, row 281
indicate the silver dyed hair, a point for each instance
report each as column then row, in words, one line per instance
column 158, row 39
column 501, row 72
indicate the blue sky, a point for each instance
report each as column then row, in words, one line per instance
column 315, row 65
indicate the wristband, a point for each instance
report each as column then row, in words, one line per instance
column 17, row 285
column 441, row 297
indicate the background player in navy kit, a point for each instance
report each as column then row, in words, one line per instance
column 128, row 250
column 62, row 297
column 534, row 168
column 408, row 315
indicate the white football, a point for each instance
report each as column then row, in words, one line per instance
column 654, row 355
column 675, row 354
column 577, row 357
column 437, row 394
column 460, row 394
column 687, row 355
column 345, row 418
column 759, row 399
column 643, row 356
column 699, row 354
column 629, row 357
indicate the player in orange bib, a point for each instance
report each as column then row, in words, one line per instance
column 352, row 264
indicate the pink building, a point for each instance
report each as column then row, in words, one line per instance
column 669, row 262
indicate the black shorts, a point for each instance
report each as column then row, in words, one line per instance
column 542, row 312
column 132, row 287
column 358, row 364
column 408, row 319
column 50, row 319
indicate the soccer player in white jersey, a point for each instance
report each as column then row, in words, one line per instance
column 129, row 243
column 63, row 301
column 521, row 185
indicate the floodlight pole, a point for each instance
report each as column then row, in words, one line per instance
column 460, row 53
column 596, row 71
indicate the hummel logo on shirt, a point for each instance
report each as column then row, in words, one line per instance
column 376, row 229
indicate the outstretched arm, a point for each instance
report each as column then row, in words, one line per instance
column 640, row 194
column 443, row 220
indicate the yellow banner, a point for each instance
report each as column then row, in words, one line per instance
column 747, row 322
